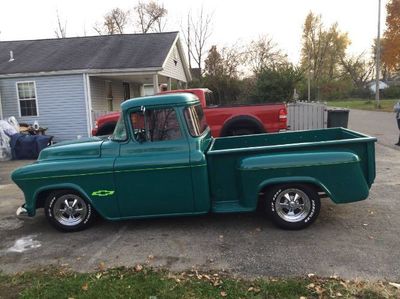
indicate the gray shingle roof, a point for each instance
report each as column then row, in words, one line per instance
column 124, row 51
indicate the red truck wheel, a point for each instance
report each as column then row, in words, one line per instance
column 293, row 206
column 242, row 125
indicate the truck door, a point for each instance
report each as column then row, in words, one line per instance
column 152, row 172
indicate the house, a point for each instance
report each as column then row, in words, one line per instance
column 372, row 86
column 65, row 84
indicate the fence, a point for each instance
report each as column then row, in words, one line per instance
column 306, row 116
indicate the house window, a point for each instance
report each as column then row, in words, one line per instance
column 27, row 98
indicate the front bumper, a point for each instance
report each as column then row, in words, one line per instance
column 22, row 212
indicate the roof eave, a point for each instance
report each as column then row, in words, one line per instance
column 85, row 71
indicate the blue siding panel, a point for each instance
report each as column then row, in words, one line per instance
column 61, row 103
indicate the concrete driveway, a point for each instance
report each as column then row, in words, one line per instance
column 359, row 240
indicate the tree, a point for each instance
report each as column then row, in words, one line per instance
column 151, row 16
column 262, row 54
column 277, row 84
column 114, row 22
column 196, row 33
column 359, row 69
column 391, row 49
column 61, row 30
column 222, row 74
column 323, row 49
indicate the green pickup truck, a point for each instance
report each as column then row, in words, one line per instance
column 162, row 161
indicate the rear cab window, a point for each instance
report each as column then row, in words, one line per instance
column 195, row 120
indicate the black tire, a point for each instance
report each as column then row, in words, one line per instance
column 106, row 129
column 77, row 216
column 292, row 206
column 242, row 125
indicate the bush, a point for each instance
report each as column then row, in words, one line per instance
column 392, row 92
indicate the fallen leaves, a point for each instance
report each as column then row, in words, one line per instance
column 85, row 286
column 138, row 268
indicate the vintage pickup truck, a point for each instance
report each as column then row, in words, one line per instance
column 162, row 161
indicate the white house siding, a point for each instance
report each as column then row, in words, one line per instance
column 174, row 71
column 61, row 104
column 98, row 94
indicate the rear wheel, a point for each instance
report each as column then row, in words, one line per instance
column 293, row 206
column 67, row 211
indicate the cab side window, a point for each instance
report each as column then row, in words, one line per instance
column 155, row 125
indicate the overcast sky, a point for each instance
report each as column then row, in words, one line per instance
column 234, row 21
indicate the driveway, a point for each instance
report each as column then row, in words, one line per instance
column 379, row 124
column 359, row 240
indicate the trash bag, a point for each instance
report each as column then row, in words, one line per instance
column 13, row 121
column 5, row 149
column 28, row 146
column 7, row 128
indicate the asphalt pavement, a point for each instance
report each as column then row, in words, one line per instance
column 358, row 240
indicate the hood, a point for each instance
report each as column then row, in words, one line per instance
column 81, row 148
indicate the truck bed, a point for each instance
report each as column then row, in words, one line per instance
column 327, row 156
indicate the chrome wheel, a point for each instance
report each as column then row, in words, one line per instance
column 292, row 205
column 70, row 210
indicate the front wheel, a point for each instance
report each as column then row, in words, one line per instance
column 293, row 206
column 67, row 211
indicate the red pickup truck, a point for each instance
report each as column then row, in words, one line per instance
column 223, row 120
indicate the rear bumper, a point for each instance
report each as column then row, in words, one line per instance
column 22, row 212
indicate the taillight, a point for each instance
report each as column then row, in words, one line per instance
column 283, row 114
column 96, row 124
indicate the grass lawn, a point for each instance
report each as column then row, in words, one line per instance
column 386, row 105
column 145, row 283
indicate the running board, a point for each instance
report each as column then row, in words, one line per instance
column 229, row 207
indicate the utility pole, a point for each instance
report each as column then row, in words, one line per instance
column 378, row 59
column 309, row 75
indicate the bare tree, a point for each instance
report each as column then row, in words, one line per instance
column 196, row 34
column 151, row 16
column 358, row 69
column 264, row 53
column 61, row 30
column 114, row 22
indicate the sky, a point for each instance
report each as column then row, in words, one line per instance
column 234, row 22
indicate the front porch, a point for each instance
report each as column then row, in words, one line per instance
column 106, row 92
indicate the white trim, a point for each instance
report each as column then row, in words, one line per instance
column 1, row 108
column 138, row 71
column 36, row 99
column 88, row 103
column 170, row 52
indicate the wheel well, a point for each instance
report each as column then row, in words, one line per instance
column 43, row 195
column 106, row 129
column 244, row 121
column 265, row 189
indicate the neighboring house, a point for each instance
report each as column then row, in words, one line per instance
column 65, row 84
column 372, row 86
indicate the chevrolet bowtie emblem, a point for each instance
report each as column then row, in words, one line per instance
column 103, row 193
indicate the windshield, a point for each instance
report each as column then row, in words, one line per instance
column 120, row 130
